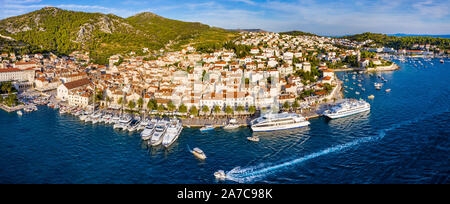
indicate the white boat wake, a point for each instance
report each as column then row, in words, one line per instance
column 250, row 174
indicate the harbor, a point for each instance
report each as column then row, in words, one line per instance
column 71, row 151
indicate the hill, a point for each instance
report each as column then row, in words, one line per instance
column 395, row 42
column 63, row 31
column 296, row 33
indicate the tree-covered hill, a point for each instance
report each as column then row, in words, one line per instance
column 63, row 31
column 400, row 42
column 297, row 33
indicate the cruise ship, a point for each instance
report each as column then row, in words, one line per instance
column 282, row 121
column 346, row 108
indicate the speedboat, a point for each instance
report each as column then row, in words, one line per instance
column 207, row 128
column 158, row 135
column 220, row 175
column 199, row 153
column 148, row 132
column 232, row 124
column 253, row 139
column 172, row 133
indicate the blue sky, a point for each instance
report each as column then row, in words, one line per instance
column 326, row 17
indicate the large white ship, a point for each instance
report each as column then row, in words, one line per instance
column 282, row 121
column 346, row 108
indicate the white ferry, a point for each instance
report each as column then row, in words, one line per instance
column 346, row 108
column 282, row 121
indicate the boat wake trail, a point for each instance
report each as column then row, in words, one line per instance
column 251, row 174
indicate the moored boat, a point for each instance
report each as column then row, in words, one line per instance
column 281, row 121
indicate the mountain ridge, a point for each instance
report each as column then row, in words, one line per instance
column 63, row 31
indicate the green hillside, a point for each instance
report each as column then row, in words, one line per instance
column 400, row 42
column 63, row 31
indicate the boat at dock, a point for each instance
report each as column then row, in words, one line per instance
column 158, row 135
column 346, row 108
column 232, row 124
column 172, row 133
column 148, row 131
column 19, row 113
column 207, row 128
column 281, row 121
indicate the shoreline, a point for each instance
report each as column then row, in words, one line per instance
column 392, row 67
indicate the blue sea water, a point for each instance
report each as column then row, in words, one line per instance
column 403, row 139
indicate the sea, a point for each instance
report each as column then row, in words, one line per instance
column 403, row 139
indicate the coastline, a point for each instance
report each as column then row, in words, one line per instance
column 391, row 67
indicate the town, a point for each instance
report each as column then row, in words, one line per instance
column 292, row 73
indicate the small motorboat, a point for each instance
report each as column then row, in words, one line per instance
column 207, row 128
column 253, row 139
column 220, row 175
column 199, row 153
column 19, row 113
column 232, row 124
column 388, row 90
column 371, row 97
column 441, row 61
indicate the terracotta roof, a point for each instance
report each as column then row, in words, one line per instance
column 77, row 83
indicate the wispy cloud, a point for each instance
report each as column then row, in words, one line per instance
column 322, row 17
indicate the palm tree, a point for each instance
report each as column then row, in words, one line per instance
column 295, row 105
column 182, row 108
column 193, row 111
column 140, row 103
column 240, row 109
column 171, row 107
column 205, row 109
column 131, row 105
column 217, row 109
column 229, row 110
column 286, row 105
column 252, row 110
column 161, row 108
column 151, row 105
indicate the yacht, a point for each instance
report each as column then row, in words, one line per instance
column 106, row 118
column 172, row 133
column 346, row 108
column 96, row 118
column 134, row 124
column 115, row 119
column 158, row 135
column 143, row 124
column 232, row 124
column 123, row 122
column 281, row 121
column 148, row 131
column 378, row 85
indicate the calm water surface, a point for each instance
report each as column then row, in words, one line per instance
column 403, row 139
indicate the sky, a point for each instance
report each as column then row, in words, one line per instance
column 325, row 17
